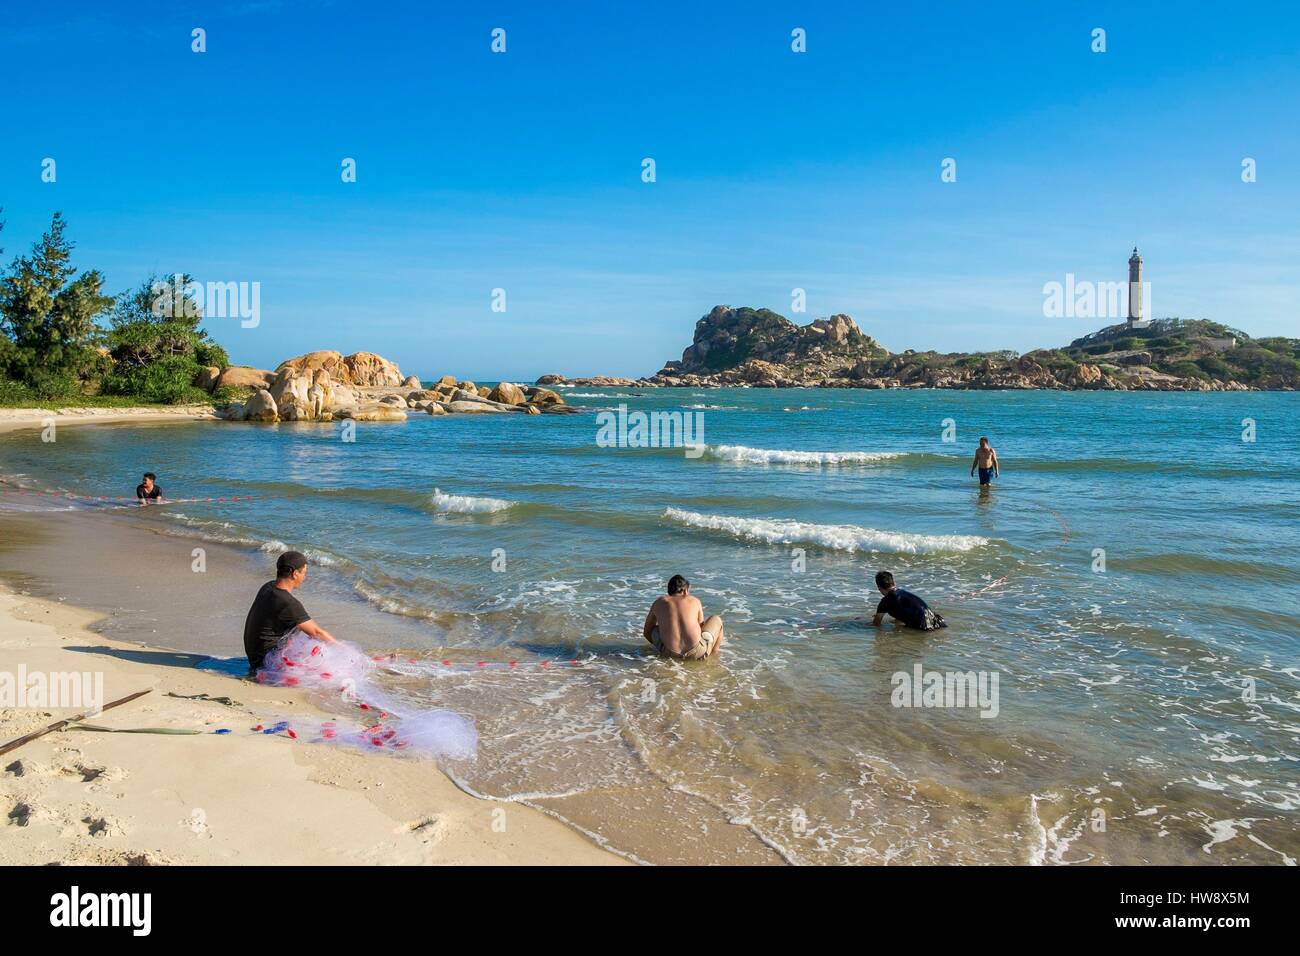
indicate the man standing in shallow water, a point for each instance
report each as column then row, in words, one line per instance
column 986, row 460
column 676, row 626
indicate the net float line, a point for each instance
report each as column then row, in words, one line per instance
column 69, row 496
column 448, row 664
column 987, row 587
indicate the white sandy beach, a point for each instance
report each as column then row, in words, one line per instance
column 15, row 418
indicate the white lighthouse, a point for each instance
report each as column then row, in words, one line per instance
column 1135, row 320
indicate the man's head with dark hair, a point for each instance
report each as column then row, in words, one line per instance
column 289, row 563
column 151, row 476
column 983, row 440
column 677, row 584
column 884, row 581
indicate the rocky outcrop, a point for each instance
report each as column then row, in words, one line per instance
column 304, row 389
column 508, row 393
column 594, row 381
column 471, row 407
column 241, row 376
column 543, row 397
column 290, row 384
column 359, row 368
column 757, row 348
column 728, row 338
column 372, row 413
column 260, row 407
column 207, row 378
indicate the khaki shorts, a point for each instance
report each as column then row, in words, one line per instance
column 697, row 653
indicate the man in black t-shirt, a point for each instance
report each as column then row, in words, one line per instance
column 148, row 490
column 276, row 612
column 903, row 606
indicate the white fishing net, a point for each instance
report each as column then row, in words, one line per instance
column 345, row 676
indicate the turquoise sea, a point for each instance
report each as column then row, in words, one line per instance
column 1132, row 581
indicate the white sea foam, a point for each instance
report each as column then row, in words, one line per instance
column 604, row 394
column 840, row 537
column 765, row 456
column 467, row 504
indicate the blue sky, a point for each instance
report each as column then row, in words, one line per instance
column 775, row 170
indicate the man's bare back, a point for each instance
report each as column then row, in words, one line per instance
column 676, row 625
column 678, row 617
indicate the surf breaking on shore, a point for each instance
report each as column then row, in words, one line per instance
column 467, row 504
column 765, row 456
column 838, row 537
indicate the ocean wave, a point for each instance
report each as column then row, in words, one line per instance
column 604, row 394
column 838, row 537
column 764, row 456
column 225, row 532
column 467, row 504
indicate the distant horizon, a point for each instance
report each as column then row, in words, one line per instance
column 825, row 171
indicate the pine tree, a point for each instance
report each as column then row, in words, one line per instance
column 48, row 312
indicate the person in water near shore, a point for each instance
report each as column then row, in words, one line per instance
column 148, row 489
column 986, row 460
column 676, row 626
column 903, row 606
column 276, row 612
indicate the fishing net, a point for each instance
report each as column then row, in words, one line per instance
column 345, row 676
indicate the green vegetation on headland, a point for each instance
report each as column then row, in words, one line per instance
column 64, row 342
column 758, row 347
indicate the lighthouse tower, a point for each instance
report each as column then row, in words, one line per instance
column 1135, row 291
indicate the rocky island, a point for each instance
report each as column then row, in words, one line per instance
column 762, row 349
column 364, row 387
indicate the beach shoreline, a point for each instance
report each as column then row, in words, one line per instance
column 239, row 798
column 13, row 419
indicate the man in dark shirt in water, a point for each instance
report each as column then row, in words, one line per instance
column 903, row 606
column 148, row 490
column 276, row 612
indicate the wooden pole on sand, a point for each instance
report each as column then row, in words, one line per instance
column 60, row 724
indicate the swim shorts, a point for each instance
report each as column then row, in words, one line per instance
column 697, row 653
column 986, row 476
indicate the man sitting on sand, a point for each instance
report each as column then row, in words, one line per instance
column 148, row 489
column 903, row 606
column 276, row 612
column 986, row 460
column 676, row 625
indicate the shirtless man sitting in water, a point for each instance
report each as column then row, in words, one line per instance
column 676, row 625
